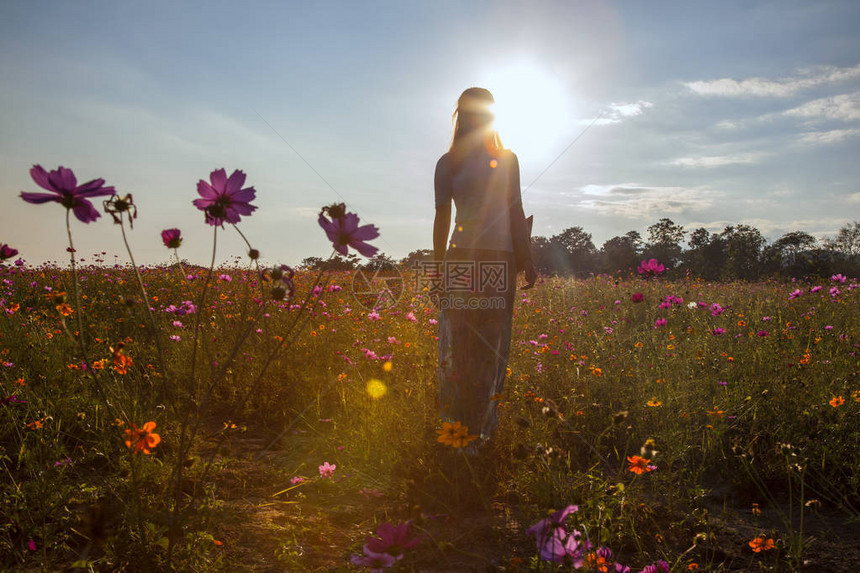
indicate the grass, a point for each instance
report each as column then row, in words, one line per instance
column 748, row 416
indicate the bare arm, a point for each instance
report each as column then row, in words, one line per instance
column 442, row 223
column 441, row 226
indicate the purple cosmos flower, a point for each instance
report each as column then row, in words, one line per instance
column 391, row 539
column 7, row 252
column 718, row 331
column 553, row 542
column 376, row 561
column 172, row 238
column 343, row 230
column 650, row 267
column 225, row 199
column 64, row 189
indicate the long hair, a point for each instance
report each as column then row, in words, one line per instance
column 473, row 125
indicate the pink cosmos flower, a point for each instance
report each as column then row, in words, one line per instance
column 839, row 278
column 376, row 561
column 224, row 200
column 64, row 189
column 392, row 540
column 650, row 267
column 172, row 238
column 718, row 331
column 327, row 470
column 343, row 230
column 7, row 252
column 637, row 297
column 794, row 294
column 660, row 322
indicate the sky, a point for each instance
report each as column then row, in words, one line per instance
column 621, row 113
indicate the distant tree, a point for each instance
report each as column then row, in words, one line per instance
column 847, row 240
column 575, row 244
column 312, row 263
column 341, row 263
column 548, row 257
column 620, row 253
column 743, row 251
column 418, row 256
column 664, row 242
column 793, row 249
column 695, row 258
column 379, row 262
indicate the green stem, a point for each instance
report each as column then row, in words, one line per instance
column 180, row 455
column 145, row 296
column 75, row 290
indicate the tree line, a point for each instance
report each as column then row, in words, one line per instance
column 738, row 252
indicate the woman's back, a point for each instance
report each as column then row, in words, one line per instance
column 479, row 185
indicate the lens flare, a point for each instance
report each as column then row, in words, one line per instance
column 376, row 388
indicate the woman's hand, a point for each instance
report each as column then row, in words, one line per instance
column 531, row 275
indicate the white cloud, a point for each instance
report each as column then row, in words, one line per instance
column 618, row 112
column 714, row 160
column 781, row 87
column 772, row 229
column 825, row 137
column 635, row 201
column 843, row 106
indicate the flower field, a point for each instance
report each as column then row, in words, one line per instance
column 203, row 419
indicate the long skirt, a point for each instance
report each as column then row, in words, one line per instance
column 475, row 314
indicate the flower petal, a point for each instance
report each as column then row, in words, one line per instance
column 40, row 176
column 63, row 179
column 38, row 198
column 218, row 179
column 85, row 211
column 206, row 191
column 234, row 184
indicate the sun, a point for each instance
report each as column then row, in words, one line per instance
column 533, row 110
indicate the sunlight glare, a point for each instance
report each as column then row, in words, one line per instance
column 533, row 110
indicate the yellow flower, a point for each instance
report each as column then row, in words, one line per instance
column 654, row 402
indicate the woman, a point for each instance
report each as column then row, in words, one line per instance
column 488, row 246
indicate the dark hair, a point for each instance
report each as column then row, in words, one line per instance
column 474, row 112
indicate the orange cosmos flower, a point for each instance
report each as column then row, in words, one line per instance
column 639, row 465
column 142, row 439
column 760, row 544
column 121, row 362
column 455, row 435
column 837, row 401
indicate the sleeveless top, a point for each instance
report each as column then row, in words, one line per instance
column 481, row 191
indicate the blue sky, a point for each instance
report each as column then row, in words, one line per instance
column 709, row 113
